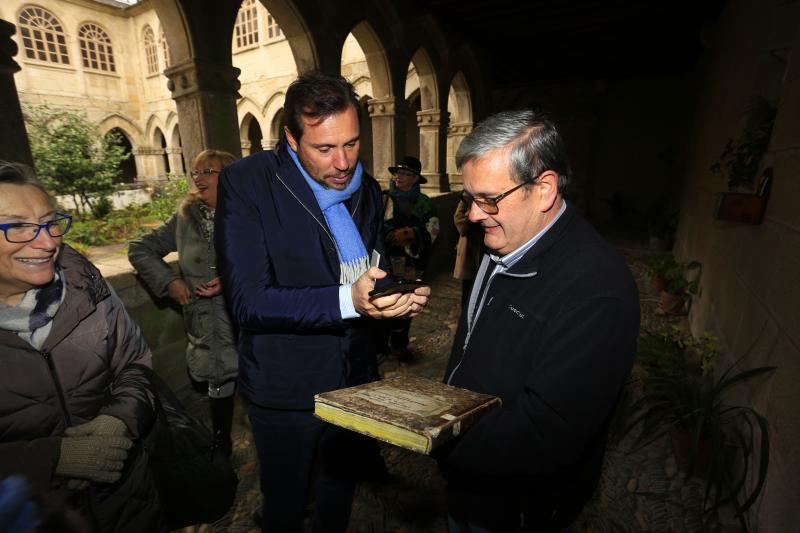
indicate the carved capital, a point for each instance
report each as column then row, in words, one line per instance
column 429, row 118
column 381, row 107
column 189, row 78
column 246, row 145
column 459, row 129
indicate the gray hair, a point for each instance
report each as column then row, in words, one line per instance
column 23, row 175
column 533, row 141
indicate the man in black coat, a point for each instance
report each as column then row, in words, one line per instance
column 551, row 328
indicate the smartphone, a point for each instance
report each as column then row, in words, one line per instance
column 398, row 286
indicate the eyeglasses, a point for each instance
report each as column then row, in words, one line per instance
column 204, row 172
column 489, row 204
column 19, row 232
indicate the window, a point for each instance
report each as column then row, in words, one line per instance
column 96, row 50
column 245, row 33
column 150, row 50
column 42, row 36
column 273, row 30
column 162, row 41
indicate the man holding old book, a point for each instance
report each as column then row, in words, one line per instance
column 295, row 230
column 550, row 328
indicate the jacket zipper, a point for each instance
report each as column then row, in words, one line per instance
column 306, row 208
column 60, row 392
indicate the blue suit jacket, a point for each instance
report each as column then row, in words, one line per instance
column 280, row 272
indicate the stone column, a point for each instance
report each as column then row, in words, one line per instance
column 14, row 144
column 386, row 130
column 175, row 156
column 455, row 134
column 430, row 124
column 139, row 156
column 246, row 145
column 205, row 94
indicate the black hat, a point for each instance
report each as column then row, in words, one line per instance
column 410, row 163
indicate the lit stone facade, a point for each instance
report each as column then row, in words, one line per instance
column 114, row 63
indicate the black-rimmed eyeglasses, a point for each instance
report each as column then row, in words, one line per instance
column 204, row 172
column 488, row 204
column 19, row 232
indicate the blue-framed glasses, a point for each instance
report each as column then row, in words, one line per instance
column 19, row 232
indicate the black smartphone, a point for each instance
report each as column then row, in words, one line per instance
column 401, row 285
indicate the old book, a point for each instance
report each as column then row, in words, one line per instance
column 408, row 411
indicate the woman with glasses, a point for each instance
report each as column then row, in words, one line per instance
column 211, row 355
column 74, row 400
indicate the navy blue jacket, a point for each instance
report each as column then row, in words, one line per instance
column 556, row 341
column 280, row 273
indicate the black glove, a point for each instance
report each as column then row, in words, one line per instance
column 94, row 458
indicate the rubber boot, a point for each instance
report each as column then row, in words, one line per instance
column 221, row 422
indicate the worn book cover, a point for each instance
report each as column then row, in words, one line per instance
column 408, row 411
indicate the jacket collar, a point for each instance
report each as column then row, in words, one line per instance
column 529, row 263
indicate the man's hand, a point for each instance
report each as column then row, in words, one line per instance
column 209, row 288
column 419, row 299
column 393, row 305
column 179, row 291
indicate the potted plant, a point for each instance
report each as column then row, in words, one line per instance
column 676, row 282
column 741, row 157
column 711, row 437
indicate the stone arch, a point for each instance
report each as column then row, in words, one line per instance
column 251, row 134
column 153, row 123
column 382, row 106
column 250, row 126
column 459, row 107
column 275, row 128
column 297, row 33
column 377, row 60
column 273, row 115
column 127, row 126
column 428, row 118
column 127, row 167
column 177, row 162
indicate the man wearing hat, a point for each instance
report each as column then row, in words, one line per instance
column 410, row 226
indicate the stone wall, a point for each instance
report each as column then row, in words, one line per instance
column 750, row 284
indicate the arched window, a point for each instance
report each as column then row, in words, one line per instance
column 42, row 36
column 273, row 30
column 96, row 49
column 162, row 41
column 245, row 33
column 150, row 50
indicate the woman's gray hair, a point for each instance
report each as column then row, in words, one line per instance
column 533, row 141
column 21, row 175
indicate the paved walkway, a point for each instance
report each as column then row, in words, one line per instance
column 640, row 492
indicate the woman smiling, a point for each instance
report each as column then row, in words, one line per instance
column 74, row 401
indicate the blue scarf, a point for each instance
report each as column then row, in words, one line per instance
column 353, row 260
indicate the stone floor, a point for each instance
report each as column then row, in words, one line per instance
column 639, row 492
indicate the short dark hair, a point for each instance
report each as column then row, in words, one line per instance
column 22, row 175
column 534, row 142
column 317, row 95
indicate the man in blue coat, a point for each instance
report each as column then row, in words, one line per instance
column 295, row 230
column 550, row 328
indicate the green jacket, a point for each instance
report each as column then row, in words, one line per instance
column 211, row 352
